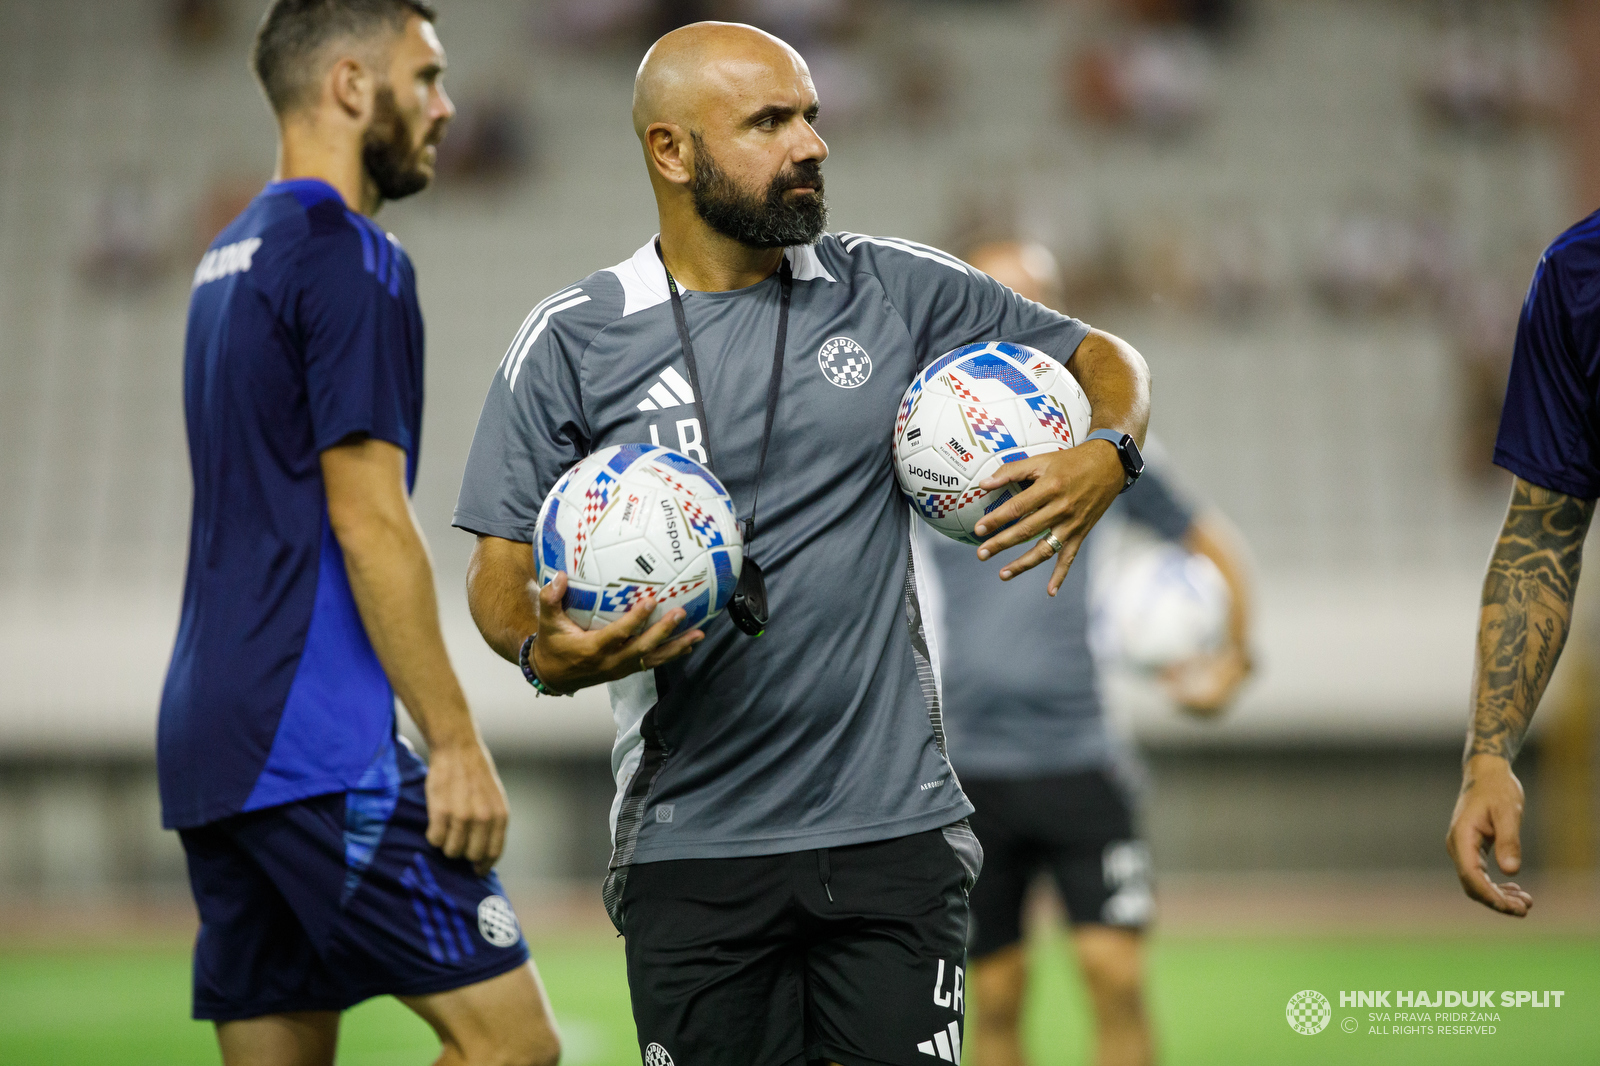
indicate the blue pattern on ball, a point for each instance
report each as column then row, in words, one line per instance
column 998, row 368
column 552, row 545
column 683, row 464
column 626, row 455
column 723, row 563
column 579, row 599
column 949, row 357
column 998, row 500
column 1018, row 352
column 695, row 611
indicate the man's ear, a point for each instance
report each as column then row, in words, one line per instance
column 352, row 88
column 670, row 152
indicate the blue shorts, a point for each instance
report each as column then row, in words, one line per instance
column 320, row 904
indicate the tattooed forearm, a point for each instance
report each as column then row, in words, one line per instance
column 1526, row 612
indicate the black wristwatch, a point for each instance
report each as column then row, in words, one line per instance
column 1127, row 451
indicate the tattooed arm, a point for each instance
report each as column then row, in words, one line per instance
column 1522, row 625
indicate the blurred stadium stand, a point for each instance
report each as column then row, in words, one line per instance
column 1330, row 432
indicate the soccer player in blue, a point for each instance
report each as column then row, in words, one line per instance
column 328, row 863
column 1550, row 439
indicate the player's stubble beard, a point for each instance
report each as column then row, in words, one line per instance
column 759, row 221
column 390, row 152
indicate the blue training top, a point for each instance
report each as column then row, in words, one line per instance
column 303, row 332
column 1550, row 427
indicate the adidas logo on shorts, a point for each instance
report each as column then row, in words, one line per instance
column 946, row 1044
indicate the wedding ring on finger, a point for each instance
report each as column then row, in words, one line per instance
column 642, row 666
column 1055, row 544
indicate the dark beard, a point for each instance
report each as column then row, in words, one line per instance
column 387, row 153
column 772, row 221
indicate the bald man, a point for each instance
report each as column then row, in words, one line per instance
column 791, row 856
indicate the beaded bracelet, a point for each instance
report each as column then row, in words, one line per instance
column 525, row 660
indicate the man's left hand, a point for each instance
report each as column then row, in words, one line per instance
column 1070, row 489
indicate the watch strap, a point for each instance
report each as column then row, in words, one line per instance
column 1120, row 441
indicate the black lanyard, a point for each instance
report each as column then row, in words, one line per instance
column 786, row 283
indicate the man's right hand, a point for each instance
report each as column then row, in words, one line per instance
column 1489, row 812
column 467, row 812
column 567, row 657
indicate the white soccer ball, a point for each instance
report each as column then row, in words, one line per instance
column 1159, row 605
column 633, row 520
column 971, row 412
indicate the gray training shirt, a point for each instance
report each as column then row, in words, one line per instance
column 1018, row 682
column 825, row 731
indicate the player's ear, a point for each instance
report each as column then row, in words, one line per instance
column 670, row 152
column 351, row 86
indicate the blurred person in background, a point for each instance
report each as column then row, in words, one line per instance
column 1027, row 734
column 1550, row 440
column 328, row 863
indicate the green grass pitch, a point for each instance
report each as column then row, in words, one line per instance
column 1215, row 1000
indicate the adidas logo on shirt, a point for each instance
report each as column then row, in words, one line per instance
column 946, row 1044
column 671, row 391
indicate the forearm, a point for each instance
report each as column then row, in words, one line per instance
column 1116, row 381
column 498, row 594
column 1214, row 537
column 391, row 578
column 1525, row 615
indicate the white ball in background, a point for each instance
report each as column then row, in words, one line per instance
column 1157, row 605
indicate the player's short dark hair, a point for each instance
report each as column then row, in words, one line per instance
column 293, row 31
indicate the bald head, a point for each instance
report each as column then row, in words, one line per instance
column 711, row 68
column 724, row 113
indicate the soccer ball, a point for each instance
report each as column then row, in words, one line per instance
column 971, row 412
column 637, row 519
column 1159, row 605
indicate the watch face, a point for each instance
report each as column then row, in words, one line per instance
column 1133, row 461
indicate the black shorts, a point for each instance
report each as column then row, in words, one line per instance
column 749, row 962
column 322, row 903
column 1079, row 827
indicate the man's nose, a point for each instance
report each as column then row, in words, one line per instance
column 443, row 107
column 811, row 146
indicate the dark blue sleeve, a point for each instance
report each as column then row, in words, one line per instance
column 1547, row 431
column 352, row 315
column 1154, row 501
